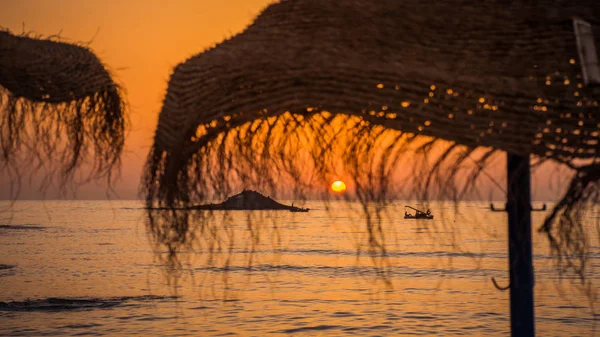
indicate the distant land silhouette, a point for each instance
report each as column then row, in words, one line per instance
column 247, row 200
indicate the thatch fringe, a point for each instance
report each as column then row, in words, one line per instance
column 290, row 156
column 565, row 228
column 60, row 112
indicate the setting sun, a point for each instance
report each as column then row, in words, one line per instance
column 338, row 186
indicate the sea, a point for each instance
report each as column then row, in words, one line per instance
column 96, row 268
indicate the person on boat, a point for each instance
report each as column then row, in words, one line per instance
column 406, row 213
column 428, row 212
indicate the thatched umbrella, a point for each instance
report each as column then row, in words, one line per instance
column 504, row 76
column 60, row 109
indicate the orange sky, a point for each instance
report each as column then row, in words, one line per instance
column 141, row 41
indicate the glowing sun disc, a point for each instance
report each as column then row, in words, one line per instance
column 338, row 186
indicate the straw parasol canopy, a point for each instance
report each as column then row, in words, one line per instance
column 59, row 109
column 505, row 76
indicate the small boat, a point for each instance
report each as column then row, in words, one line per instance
column 299, row 209
column 418, row 215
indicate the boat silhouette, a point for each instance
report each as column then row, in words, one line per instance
column 418, row 214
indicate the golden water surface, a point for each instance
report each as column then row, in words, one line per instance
column 89, row 268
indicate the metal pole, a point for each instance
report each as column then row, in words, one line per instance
column 518, row 207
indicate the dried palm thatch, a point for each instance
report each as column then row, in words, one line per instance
column 60, row 110
column 265, row 106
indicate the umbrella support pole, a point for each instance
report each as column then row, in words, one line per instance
column 518, row 206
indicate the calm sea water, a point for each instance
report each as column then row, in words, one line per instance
column 89, row 268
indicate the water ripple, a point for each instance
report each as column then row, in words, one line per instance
column 7, row 269
column 66, row 304
column 6, row 266
column 311, row 328
column 22, row 227
column 80, row 326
